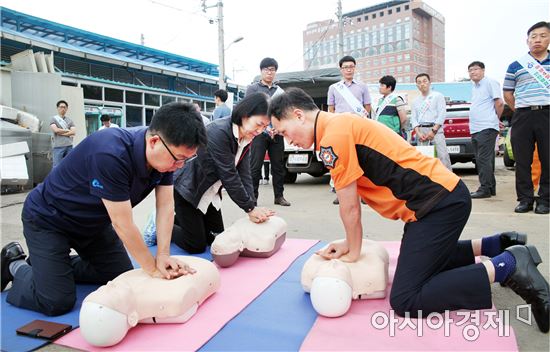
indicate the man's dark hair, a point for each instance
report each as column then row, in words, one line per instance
column 105, row 118
column 61, row 102
column 541, row 24
column 292, row 98
column 252, row 104
column 389, row 81
column 422, row 75
column 477, row 63
column 346, row 58
column 269, row 62
column 179, row 124
column 222, row 94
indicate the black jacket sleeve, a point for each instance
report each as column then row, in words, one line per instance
column 224, row 162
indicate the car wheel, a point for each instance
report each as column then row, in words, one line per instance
column 508, row 162
column 290, row 177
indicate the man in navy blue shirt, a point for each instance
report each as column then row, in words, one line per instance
column 86, row 204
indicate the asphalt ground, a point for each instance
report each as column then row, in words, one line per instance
column 312, row 215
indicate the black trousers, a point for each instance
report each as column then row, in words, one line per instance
column 194, row 231
column 530, row 127
column 435, row 271
column 276, row 149
column 484, row 151
column 49, row 285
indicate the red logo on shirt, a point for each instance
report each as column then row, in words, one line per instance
column 328, row 157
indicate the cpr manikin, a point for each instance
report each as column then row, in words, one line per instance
column 248, row 239
column 333, row 284
column 135, row 297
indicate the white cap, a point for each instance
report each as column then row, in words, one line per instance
column 102, row 326
column 331, row 297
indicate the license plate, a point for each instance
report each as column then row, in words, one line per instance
column 297, row 159
column 453, row 149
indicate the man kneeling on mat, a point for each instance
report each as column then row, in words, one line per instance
column 435, row 270
column 86, row 203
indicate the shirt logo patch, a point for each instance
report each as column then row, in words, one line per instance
column 96, row 183
column 328, row 157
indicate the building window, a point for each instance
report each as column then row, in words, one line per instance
column 398, row 9
column 381, row 13
column 168, row 99
column 373, row 16
column 407, row 68
column 134, row 97
column 358, row 19
column 133, row 116
column 366, row 18
column 383, row 61
column 406, row 7
column 92, row 92
column 399, row 68
column 114, row 95
column 152, row 99
column 149, row 116
column 390, row 11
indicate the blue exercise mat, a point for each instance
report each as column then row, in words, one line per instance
column 284, row 309
column 13, row 317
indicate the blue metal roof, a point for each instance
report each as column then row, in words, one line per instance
column 91, row 42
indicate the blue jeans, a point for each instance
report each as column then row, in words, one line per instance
column 59, row 153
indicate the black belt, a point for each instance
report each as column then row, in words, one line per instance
column 536, row 107
column 427, row 124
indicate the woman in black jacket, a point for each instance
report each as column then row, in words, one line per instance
column 224, row 162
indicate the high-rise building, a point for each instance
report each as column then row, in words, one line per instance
column 400, row 38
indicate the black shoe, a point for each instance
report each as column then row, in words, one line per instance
column 282, row 201
column 541, row 208
column 524, row 207
column 336, row 201
column 10, row 253
column 493, row 192
column 512, row 238
column 529, row 284
column 480, row 194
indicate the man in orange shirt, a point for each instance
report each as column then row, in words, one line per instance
column 435, row 271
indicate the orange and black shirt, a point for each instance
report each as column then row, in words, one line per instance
column 392, row 176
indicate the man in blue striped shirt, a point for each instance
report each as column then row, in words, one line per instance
column 526, row 91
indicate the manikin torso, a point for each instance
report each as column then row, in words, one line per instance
column 332, row 281
column 135, row 297
column 249, row 239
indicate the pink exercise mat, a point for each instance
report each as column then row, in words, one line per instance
column 370, row 326
column 240, row 285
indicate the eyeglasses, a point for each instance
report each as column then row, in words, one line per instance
column 269, row 69
column 176, row 160
column 348, row 67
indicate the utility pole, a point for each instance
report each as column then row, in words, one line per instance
column 221, row 45
column 142, row 39
column 340, row 30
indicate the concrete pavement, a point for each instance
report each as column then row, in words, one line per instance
column 312, row 215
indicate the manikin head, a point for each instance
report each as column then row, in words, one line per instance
column 331, row 290
column 107, row 314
